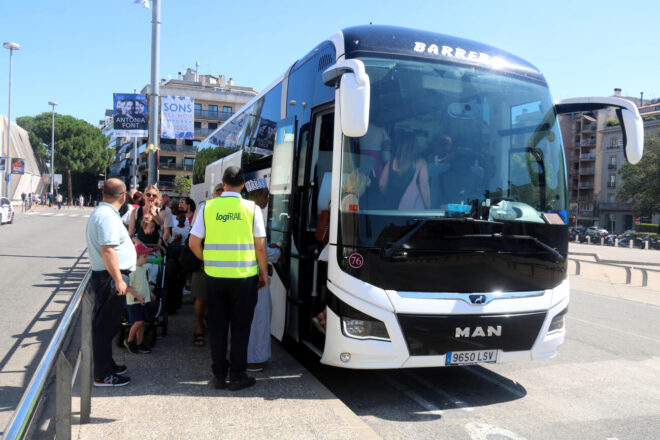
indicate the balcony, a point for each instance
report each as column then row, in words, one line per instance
column 611, row 184
column 587, row 157
column 586, row 185
column 588, row 143
column 168, row 166
column 587, row 170
column 611, row 166
column 589, row 127
column 212, row 115
column 203, row 132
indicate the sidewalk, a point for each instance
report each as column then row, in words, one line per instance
column 170, row 397
column 616, row 255
column 608, row 280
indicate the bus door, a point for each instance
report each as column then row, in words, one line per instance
column 312, row 197
column 279, row 221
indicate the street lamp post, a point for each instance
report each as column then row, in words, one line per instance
column 12, row 47
column 52, row 148
column 155, row 92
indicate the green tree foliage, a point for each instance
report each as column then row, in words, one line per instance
column 79, row 146
column 206, row 157
column 641, row 182
column 182, row 184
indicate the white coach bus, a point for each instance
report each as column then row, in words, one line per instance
column 441, row 165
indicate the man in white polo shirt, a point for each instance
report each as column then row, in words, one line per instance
column 113, row 257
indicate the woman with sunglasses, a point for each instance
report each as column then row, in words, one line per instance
column 148, row 210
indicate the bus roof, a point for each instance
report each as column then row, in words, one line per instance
column 392, row 40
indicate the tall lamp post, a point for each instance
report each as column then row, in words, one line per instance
column 52, row 148
column 152, row 144
column 12, row 47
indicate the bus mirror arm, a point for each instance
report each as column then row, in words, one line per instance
column 632, row 125
column 354, row 95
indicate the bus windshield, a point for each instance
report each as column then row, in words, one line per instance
column 453, row 141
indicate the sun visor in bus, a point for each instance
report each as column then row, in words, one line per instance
column 632, row 125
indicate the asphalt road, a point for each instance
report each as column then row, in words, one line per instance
column 604, row 384
column 42, row 261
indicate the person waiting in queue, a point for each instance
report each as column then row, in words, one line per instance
column 259, row 343
column 235, row 262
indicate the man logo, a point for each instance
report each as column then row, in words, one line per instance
column 478, row 299
column 468, row 332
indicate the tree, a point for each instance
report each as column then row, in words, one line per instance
column 79, row 146
column 182, row 183
column 641, row 182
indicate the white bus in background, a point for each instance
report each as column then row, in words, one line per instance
column 468, row 264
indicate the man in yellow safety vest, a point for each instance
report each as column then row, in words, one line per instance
column 234, row 255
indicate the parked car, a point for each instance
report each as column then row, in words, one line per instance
column 6, row 211
column 595, row 230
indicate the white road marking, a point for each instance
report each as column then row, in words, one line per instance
column 86, row 215
column 73, row 215
column 484, row 431
column 430, row 408
column 454, row 400
column 59, row 215
column 486, row 377
column 613, row 329
column 47, row 213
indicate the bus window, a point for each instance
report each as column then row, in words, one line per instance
column 321, row 165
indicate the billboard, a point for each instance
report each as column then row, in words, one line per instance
column 17, row 165
column 130, row 115
column 177, row 116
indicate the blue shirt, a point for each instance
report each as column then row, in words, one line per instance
column 105, row 228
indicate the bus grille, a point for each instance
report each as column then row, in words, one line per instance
column 428, row 335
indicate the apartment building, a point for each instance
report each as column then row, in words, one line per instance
column 613, row 215
column 593, row 145
column 216, row 99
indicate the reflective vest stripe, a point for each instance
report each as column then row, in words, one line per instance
column 229, row 247
column 230, row 263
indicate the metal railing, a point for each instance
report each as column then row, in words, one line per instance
column 628, row 269
column 65, row 374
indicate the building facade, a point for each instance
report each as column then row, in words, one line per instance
column 216, row 99
column 590, row 143
column 617, row 216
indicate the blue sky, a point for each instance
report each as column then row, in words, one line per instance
column 79, row 52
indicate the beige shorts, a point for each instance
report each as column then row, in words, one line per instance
column 198, row 288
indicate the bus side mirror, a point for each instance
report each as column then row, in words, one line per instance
column 354, row 95
column 632, row 125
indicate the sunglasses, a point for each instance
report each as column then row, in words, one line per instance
column 151, row 195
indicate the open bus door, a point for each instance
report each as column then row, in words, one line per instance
column 279, row 221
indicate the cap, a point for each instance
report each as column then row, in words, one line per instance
column 255, row 184
column 140, row 248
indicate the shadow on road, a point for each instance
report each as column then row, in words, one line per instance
column 409, row 395
column 62, row 284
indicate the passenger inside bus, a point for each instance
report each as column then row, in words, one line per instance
column 405, row 178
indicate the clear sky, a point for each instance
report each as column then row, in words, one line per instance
column 78, row 52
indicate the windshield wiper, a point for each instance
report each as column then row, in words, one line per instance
column 560, row 258
column 390, row 248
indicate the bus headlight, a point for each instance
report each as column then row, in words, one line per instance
column 364, row 328
column 557, row 322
